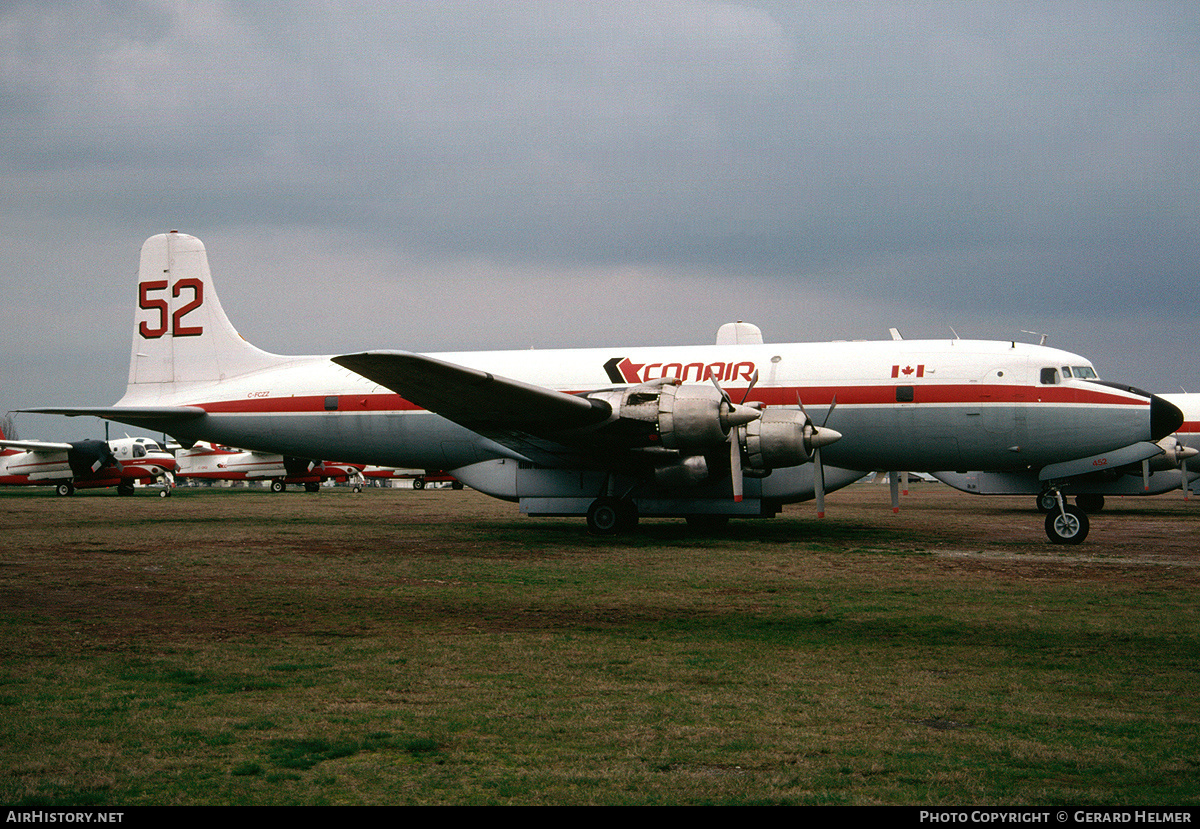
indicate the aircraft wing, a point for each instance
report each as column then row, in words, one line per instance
column 35, row 445
column 528, row 419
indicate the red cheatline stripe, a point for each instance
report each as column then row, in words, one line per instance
column 812, row 396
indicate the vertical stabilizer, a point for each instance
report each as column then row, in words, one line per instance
column 181, row 336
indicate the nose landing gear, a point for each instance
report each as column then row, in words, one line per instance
column 1066, row 524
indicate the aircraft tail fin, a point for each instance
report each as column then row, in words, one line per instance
column 181, row 335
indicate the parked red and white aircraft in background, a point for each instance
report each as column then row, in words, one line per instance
column 721, row 430
column 419, row 477
column 1173, row 468
column 221, row 463
column 85, row 464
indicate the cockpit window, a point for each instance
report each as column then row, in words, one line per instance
column 1085, row 372
column 1066, row 370
column 139, row 451
column 1049, row 376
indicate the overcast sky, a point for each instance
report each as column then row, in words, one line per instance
column 445, row 176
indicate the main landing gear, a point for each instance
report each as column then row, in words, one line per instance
column 1048, row 502
column 608, row 516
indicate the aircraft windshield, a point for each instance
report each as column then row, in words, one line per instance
column 1084, row 372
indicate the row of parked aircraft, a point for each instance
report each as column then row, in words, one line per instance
column 738, row 428
column 126, row 462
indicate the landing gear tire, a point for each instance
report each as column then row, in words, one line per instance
column 1046, row 503
column 1090, row 503
column 1069, row 526
column 124, row 489
column 165, row 492
column 278, row 486
column 312, row 487
column 66, row 488
column 604, row 516
column 418, row 483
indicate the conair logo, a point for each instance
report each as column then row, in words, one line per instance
column 622, row 370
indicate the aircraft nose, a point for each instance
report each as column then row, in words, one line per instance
column 1165, row 418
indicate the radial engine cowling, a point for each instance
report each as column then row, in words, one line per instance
column 777, row 440
column 698, row 417
column 691, row 418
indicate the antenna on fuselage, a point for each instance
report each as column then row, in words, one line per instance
column 1043, row 337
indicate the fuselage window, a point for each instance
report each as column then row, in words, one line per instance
column 904, row 394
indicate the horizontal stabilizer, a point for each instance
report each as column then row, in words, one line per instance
column 134, row 416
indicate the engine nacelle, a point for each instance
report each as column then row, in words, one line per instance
column 684, row 418
column 777, row 440
column 691, row 470
column 690, row 417
column 1174, row 455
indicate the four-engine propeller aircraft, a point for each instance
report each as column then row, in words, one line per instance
column 1172, row 467
column 221, row 463
column 85, row 464
column 738, row 428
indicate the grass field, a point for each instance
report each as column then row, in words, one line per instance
column 401, row 647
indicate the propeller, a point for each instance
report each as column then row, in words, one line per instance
column 734, row 417
column 87, row 457
column 816, row 438
column 1178, row 453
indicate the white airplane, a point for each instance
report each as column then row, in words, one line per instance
column 85, row 464
column 221, row 463
column 419, row 477
column 732, row 429
column 1173, row 468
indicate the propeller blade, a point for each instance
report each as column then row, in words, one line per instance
column 735, row 463
column 832, row 406
column 724, row 394
column 819, row 481
column 753, row 383
column 894, row 486
column 1187, row 488
column 1146, row 475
